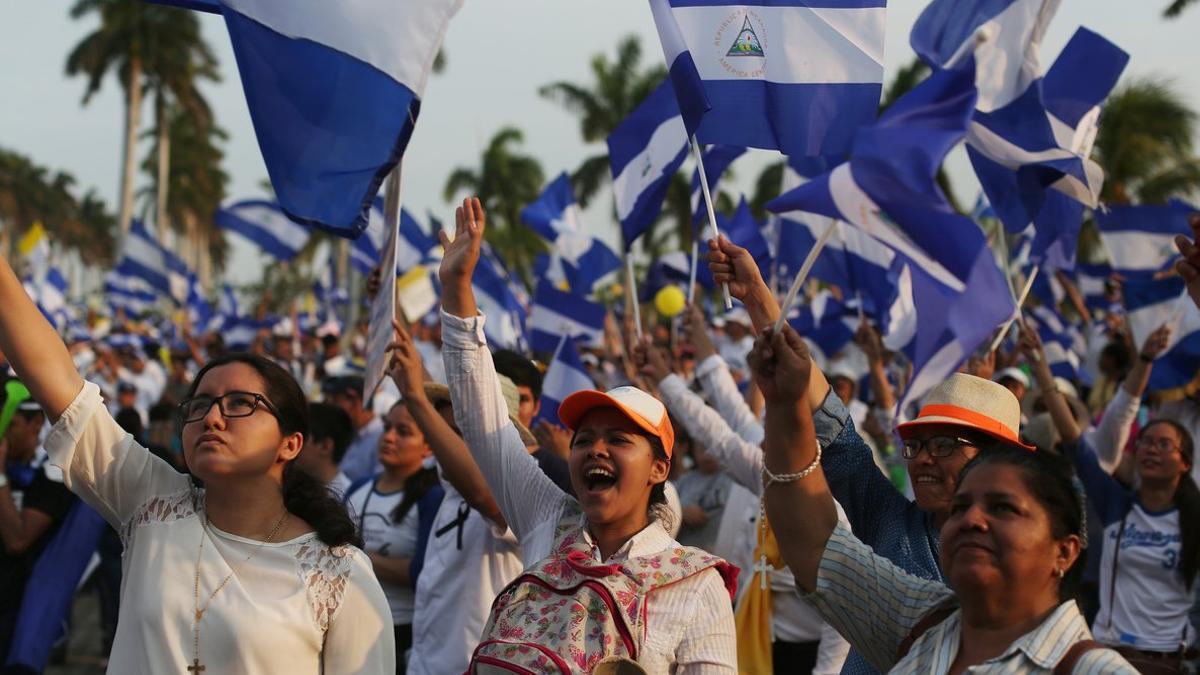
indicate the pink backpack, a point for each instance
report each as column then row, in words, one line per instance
column 567, row 614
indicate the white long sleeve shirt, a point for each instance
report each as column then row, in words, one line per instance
column 689, row 625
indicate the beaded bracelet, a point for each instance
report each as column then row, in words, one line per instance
column 791, row 477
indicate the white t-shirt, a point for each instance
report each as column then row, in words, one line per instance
column 309, row 607
column 1148, row 608
column 468, row 561
column 372, row 511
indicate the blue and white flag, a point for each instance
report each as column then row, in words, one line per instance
column 565, row 376
column 644, row 151
column 742, row 229
column 1140, row 240
column 265, row 224
column 555, row 210
column 500, row 300
column 798, row 76
column 1091, row 280
column 145, row 258
column 717, row 159
column 237, row 330
column 1024, row 142
column 827, row 324
column 333, row 91
column 1152, row 303
column 889, row 190
column 559, row 313
column 200, row 311
column 413, row 247
column 1058, row 341
column 128, row 292
column 674, row 268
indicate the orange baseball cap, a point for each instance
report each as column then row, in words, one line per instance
column 647, row 412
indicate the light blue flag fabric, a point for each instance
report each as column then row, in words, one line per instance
column 1030, row 134
column 265, row 224
column 644, row 151
column 1140, row 240
column 162, row 270
column 565, row 376
column 561, row 313
column 555, row 210
column 889, row 190
column 717, row 159
column 500, row 300
column 798, row 76
column 413, row 247
column 827, row 323
column 333, row 93
column 1150, row 303
column 128, row 292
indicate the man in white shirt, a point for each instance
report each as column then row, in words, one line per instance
column 329, row 434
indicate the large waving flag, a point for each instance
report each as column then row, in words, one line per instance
column 1029, row 135
column 889, row 190
column 265, row 224
column 644, row 151
column 1152, row 303
column 578, row 260
column 555, row 210
column 798, row 76
column 333, row 89
column 1140, row 240
column 565, row 376
column 557, row 314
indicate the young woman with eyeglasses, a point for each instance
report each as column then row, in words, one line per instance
column 257, row 571
column 1151, row 545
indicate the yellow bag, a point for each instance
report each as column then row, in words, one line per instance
column 753, row 617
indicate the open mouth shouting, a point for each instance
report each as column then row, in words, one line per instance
column 598, row 479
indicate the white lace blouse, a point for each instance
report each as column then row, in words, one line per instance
column 298, row 606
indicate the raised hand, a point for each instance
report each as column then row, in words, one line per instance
column 1156, row 343
column 781, row 366
column 552, row 437
column 697, row 333
column 406, row 368
column 731, row 264
column 651, row 362
column 1189, row 267
column 869, row 341
column 460, row 258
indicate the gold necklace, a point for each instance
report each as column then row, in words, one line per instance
column 196, row 666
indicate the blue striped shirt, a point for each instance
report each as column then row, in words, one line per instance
column 875, row 605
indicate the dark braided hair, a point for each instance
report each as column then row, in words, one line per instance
column 303, row 496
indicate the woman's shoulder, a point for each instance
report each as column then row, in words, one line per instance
column 329, row 573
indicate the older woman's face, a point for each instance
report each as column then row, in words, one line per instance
column 998, row 537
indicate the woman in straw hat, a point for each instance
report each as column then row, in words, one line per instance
column 255, row 572
column 605, row 583
column 1151, row 543
column 1010, row 548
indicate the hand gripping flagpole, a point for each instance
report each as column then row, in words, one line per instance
column 712, row 214
column 802, row 276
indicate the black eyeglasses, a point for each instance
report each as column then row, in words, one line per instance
column 1164, row 445
column 938, row 446
column 233, row 404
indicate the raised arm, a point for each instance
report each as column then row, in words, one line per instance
column 34, row 350
column 452, row 455
column 713, row 374
column 1056, row 404
column 798, row 502
column 524, row 494
column 1110, row 436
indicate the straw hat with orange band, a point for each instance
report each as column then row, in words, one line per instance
column 971, row 403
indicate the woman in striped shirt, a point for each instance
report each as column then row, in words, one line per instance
column 1008, row 550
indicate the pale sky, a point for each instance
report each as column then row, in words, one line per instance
column 500, row 52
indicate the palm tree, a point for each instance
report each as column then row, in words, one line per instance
column 505, row 181
column 1176, row 8
column 1146, row 144
column 123, row 43
column 618, row 87
column 175, row 62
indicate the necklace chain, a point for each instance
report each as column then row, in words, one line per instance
column 199, row 611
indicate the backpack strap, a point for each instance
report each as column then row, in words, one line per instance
column 1066, row 665
column 934, row 617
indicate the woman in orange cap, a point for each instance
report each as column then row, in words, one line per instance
column 607, row 584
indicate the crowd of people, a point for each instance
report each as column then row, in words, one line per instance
column 725, row 500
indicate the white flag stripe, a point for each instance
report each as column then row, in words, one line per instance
column 274, row 222
column 549, row 321
column 1000, row 76
column 802, row 45
column 647, row 166
column 383, row 33
column 1138, row 250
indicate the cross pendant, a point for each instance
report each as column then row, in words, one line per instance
column 761, row 568
column 196, row 667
